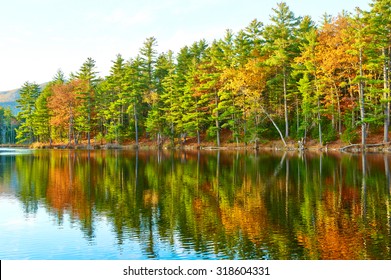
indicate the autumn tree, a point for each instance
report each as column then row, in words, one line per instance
column 324, row 82
column 63, row 104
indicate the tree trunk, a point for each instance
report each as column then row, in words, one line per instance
column 135, row 123
column 297, row 116
column 319, row 124
column 332, row 109
column 70, row 125
column 3, row 134
column 70, row 132
column 276, row 126
column 159, row 140
column 88, row 140
column 217, row 120
column 285, row 105
column 338, row 110
column 385, row 97
column 172, row 135
column 362, row 108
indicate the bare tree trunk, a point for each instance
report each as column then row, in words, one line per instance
column 319, row 117
column 276, row 126
column 135, row 123
column 217, row 120
column 286, row 105
column 386, row 95
column 297, row 116
column 319, row 123
column 338, row 110
column 362, row 108
column 70, row 128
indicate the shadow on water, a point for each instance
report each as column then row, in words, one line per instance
column 214, row 205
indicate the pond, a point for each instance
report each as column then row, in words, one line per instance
column 69, row 204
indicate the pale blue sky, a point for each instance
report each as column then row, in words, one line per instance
column 37, row 37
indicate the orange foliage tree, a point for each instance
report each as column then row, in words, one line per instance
column 63, row 104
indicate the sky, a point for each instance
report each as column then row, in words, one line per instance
column 38, row 37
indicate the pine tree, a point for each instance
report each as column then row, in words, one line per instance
column 158, row 118
column 210, row 84
column 379, row 20
column 3, row 126
column 86, row 94
column 148, row 57
column 306, row 70
column 356, row 35
column 135, row 86
column 195, row 115
column 281, row 46
column 8, row 124
column 41, row 116
column 27, row 104
column 112, row 104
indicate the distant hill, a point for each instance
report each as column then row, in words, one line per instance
column 10, row 95
column 8, row 98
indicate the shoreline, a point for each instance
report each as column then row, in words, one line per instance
column 269, row 146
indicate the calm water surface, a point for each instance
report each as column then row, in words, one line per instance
column 192, row 205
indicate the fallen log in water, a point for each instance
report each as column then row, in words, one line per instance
column 366, row 146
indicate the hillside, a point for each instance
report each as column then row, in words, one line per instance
column 8, row 98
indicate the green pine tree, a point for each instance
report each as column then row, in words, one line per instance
column 27, row 105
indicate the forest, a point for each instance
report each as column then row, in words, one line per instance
column 288, row 80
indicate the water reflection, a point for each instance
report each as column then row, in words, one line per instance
column 209, row 205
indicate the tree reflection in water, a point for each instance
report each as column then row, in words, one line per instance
column 233, row 205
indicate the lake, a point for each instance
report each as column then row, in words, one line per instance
column 69, row 204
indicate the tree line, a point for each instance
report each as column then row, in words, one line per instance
column 289, row 79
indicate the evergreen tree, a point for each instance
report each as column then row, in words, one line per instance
column 281, row 47
column 356, row 35
column 86, row 93
column 157, row 118
column 27, row 104
column 320, row 82
column 41, row 117
column 379, row 20
column 195, row 115
column 148, row 57
column 112, row 104
column 306, row 68
column 3, row 126
column 8, row 124
column 210, row 85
